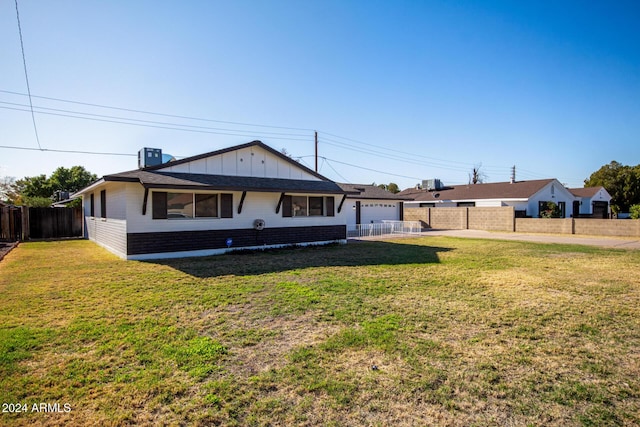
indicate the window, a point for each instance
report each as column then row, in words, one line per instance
column 179, row 205
column 92, row 205
column 103, row 204
column 303, row 206
column 206, row 205
column 466, row 204
column 299, row 205
column 316, row 206
column 191, row 205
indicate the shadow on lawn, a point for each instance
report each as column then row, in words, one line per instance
column 277, row 260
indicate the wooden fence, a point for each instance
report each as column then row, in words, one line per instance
column 53, row 223
column 10, row 224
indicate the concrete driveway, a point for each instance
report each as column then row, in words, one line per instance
column 601, row 241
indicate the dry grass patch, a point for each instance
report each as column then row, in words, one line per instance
column 461, row 332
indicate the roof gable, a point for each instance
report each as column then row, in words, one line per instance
column 253, row 159
column 586, row 191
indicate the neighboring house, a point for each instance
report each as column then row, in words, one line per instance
column 247, row 196
column 593, row 202
column 369, row 204
column 528, row 198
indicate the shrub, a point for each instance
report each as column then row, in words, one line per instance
column 635, row 211
column 550, row 210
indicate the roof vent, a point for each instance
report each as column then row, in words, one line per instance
column 432, row 184
column 149, row 157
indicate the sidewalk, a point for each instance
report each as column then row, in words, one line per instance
column 601, row 241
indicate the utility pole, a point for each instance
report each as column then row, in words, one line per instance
column 316, row 139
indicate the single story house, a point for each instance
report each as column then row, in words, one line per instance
column 367, row 204
column 246, row 196
column 529, row 198
column 592, row 202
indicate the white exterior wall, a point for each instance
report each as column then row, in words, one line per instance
column 109, row 232
column 250, row 161
column 586, row 203
column 552, row 192
column 256, row 206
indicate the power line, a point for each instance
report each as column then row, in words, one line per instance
column 127, row 119
column 250, row 135
column 337, row 173
column 26, row 76
column 131, row 110
column 372, row 170
column 67, row 151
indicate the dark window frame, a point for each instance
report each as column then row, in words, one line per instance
column 103, row 204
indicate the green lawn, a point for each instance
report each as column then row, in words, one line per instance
column 414, row 331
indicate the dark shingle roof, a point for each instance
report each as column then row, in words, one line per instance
column 194, row 181
column 361, row 191
column 497, row 190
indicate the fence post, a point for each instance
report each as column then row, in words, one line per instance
column 26, row 231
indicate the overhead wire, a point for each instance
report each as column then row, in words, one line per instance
column 67, row 151
column 131, row 110
column 372, row 149
column 176, row 127
column 26, row 76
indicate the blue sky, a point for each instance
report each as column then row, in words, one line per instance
column 399, row 91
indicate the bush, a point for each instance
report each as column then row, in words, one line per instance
column 37, row 202
column 550, row 210
column 635, row 211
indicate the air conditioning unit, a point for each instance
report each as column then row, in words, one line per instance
column 149, row 157
column 259, row 224
column 432, row 184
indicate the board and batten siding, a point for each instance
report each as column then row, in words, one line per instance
column 251, row 161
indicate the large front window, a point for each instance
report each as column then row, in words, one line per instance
column 304, row 206
column 191, row 205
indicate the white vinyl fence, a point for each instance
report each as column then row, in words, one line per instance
column 385, row 228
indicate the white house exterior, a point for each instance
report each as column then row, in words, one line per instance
column 527, row 197
column 593, row 201
column 247, row 196
column 368, row 204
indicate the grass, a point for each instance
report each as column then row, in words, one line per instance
column 416, row 331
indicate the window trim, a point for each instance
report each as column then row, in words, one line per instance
column 103, row 204
column 160, row 205
column 327, row 208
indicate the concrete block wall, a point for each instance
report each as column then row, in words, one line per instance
column 503, row 219
column 492, row 219
column 608, row 227
column 544, row 225
column 449, row 218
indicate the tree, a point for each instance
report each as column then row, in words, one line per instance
column 34, row 186
column 71, row 180
column 621, row 182
column 8, row 193
column 477, row 176
column 391, row 187
column 37, row 190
